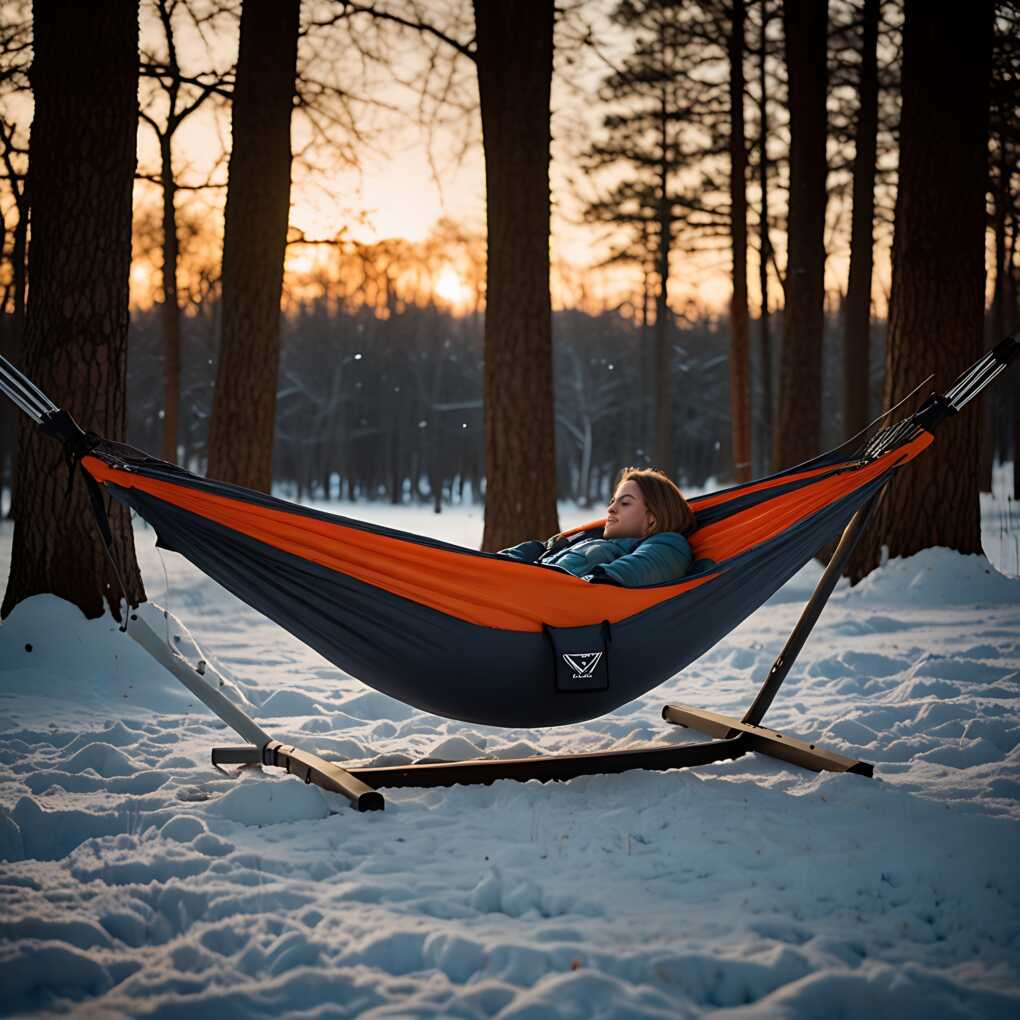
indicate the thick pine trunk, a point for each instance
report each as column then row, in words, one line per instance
column 764, row 242
column 938, row 285
column 82, row 164
column 255, row 238
column 514, row 77
column 857, row 308
column 15, row 331
column 1011, row 324
column 798, row 428
column 1016, row 446
column 740, row 390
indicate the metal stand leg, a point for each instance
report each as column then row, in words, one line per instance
column 261, row 746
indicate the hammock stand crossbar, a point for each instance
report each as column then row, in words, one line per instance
column 731, row 738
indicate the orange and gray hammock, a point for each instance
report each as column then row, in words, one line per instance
column 478, row 637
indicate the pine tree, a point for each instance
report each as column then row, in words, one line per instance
column 937, row 303
column 255, row 236
column 651, row 133
column 81, row 174
column 857, row 308
column 798, row 426
column 514, row 58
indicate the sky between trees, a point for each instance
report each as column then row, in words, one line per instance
column 394, row 150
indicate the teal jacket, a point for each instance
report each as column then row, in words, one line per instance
column 631, row 562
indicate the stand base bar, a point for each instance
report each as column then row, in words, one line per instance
column 236, row 756
column 733, row 740
column 330, row 776
column 765, row 741
column 307, row 766
column 551, row 767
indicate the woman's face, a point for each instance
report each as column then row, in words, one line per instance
column 627, row 515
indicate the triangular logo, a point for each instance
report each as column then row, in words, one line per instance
column 582, row 663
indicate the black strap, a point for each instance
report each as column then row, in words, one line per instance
column 77, row 444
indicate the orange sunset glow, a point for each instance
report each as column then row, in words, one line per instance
column 401, row 182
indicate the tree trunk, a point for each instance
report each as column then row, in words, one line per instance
column 740, row 394
column 170, row 312
column 938, row 286
column 255, row 237
column 1002, row 267
column 764, row 242
column 798, row 429
column 82, row 164
column 857, row 307
column 663, row 344
column 16, row 327
column 1010, row 324
column 514, row 57
column 647, row 351
column 990, row 413
column 1016, row 445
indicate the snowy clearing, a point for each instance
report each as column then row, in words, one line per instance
column 137, row 881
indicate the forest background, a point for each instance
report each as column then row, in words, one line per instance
column 724, row 179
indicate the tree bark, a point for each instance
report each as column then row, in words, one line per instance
column 1016, row 446
column 740, row 394
column 1002, row 267
column 15, row 330
column 663, row 316
column 170, row 311
column 857, row 308
column 255, row 237
column 514, row 55
column 937, row 303
column 82, row 163
column 764, row 241
column 1001, row 192
column 798, row 429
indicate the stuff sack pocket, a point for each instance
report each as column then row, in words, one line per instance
column 581, row 657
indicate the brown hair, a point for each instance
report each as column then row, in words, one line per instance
column 665, row 502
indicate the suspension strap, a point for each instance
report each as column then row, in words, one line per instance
column 77, row 444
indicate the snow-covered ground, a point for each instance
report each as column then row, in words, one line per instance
column 137, row 881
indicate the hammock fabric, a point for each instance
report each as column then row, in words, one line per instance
column 478, row 637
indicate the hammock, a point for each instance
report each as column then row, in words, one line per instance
column 485, row 639
column 478, row 637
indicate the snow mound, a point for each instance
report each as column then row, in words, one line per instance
column 183, row 828
column 269, row 802
column 49, row 649
column 454, row 748
column 104, row 759
column 939, row 577
column 374, row 705
column 281, row 704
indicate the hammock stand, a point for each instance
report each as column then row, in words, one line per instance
column 732, row 738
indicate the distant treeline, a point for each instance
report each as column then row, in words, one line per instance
column 372, row 407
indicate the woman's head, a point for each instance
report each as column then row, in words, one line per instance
column 644, row 503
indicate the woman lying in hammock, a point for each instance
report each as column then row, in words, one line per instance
column 642, row 542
